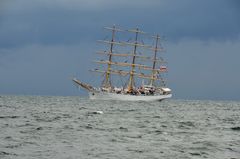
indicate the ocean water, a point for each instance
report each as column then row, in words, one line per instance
column 79, row 128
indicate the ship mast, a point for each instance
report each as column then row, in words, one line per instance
column 154, row 60
column 107, row 82
column 131, row 78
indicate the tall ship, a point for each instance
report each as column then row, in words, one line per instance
column 132, row 69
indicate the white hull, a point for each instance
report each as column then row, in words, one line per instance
column 127, row 97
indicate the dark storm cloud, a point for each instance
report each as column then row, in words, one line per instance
column 43, row 26
column 72, row 21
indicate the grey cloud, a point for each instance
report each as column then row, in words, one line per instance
column 51, row 22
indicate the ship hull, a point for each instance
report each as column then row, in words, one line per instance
column 126, row 97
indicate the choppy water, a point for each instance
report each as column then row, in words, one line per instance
column 70, row 127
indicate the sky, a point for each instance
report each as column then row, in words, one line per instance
column 43, row 44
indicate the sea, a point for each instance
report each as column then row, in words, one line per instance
column 45, row 127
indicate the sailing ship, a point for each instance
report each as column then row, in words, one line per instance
column 133, row 66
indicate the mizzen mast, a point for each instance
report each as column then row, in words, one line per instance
column 161, row 69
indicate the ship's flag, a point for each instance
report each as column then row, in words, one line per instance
column 163, row 68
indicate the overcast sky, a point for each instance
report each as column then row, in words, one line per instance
column 43, row 43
